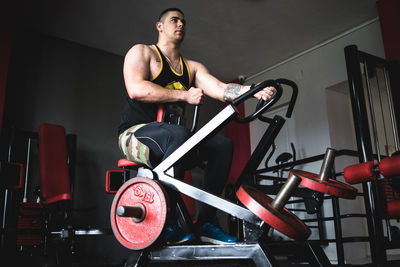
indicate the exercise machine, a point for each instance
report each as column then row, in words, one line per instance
column 140, row 207
column 369, row 75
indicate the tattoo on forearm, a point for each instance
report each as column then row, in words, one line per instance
column 232, row 91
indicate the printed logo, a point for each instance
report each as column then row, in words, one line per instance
column 145, row 196
column 176, row 86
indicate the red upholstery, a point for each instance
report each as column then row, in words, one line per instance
column 364, row 172
column 390, row 166
column 359, row 173
column 53, row 162
column 393, row 209
column 160, row 113
column 126, row 163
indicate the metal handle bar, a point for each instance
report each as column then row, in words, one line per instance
column 292, row 101
column 195, row 118
column 295, row 91
column 252, row 91
column 262, row 106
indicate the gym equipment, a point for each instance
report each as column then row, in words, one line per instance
column 284, row 158
column 53, row 162
column 11, row 178
column 322, row 183
column 312, row 199
column 254, row 226
column 164, row 171
column 281, row 219
column 55, row 175
column 272, row 211
column 12, row 181
column 44, row 227
column 30, row 225
column 369, row 171
column 248, row 174
column 365, row 118
column 280, row 160
column 138, row 212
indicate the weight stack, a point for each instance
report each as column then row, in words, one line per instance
column 30, row 224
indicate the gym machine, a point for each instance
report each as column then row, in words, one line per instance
column 16, row 228
column 43, row 231
column 140, row 207
column 365, row 118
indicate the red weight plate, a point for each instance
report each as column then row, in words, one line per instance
column 329, row 186
column 149, row 193
column 283, row 221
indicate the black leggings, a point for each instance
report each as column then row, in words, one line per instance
column 163, row 139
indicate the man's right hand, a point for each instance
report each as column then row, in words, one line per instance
column 195, row 96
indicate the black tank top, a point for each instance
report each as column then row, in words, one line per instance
column 137, row 112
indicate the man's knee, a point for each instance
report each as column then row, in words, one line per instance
column 180, row 134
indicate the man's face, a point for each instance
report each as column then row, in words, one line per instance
column 173, row 25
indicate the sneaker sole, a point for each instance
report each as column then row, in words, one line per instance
column 171, row 243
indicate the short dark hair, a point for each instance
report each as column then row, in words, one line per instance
column 169, row 10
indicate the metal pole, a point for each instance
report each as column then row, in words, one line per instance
column 247, row 175
column 25, row 199
column 392, row 117
column 5, row 201
column 286, row 192
column 372, row 111
column 3, row 224
column 327, row 164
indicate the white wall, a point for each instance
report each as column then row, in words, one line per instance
column 319, row 69
column 314, row 71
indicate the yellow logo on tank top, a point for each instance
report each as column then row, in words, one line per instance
column 176, row 86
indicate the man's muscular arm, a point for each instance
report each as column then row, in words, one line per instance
column 225, row 92
column 137, row 77
column 232, row 91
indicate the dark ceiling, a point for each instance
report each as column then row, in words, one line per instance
column 230, row 37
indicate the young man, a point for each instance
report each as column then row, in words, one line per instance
column 158, row 74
